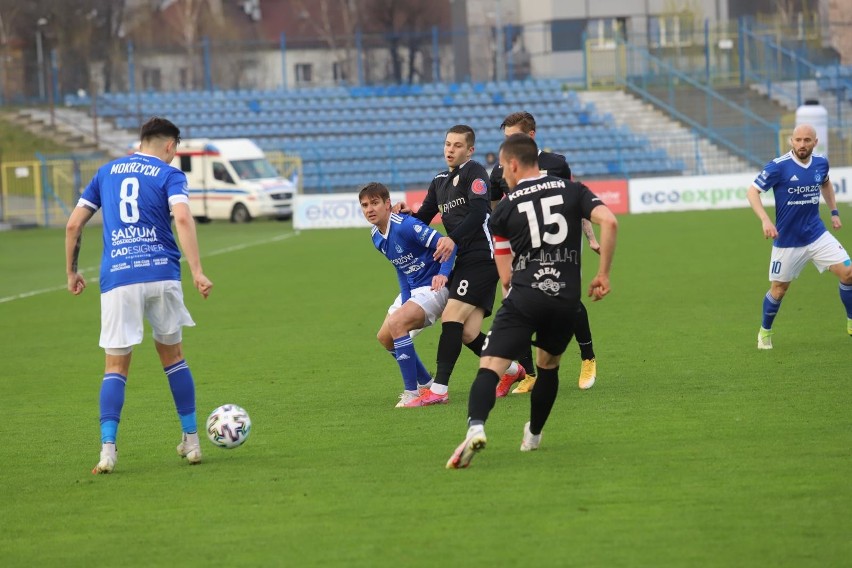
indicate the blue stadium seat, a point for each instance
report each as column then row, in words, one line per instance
column 348, row 134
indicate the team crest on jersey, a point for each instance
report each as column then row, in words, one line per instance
column 398, row 249
column 455, row 181
column 417, row 228
column 818, row 178
column 478, row 186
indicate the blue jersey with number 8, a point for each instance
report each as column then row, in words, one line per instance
column 135, row 194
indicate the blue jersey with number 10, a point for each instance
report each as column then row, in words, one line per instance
column 135, row 194
column 797, row 191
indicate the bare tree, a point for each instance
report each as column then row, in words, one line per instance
column 405, row 25
column 337, row 25
column 78, row 32
column 787, row 9
column 189, row 25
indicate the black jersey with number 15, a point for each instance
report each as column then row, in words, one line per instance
column 548, row 163
column 542, row 220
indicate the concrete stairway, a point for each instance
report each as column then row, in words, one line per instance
column 758, row 139
column 697, row 154
column 74, row 128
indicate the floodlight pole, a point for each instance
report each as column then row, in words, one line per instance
column 40, row 56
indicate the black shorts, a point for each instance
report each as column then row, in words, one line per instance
column 519, row 318
column 474, row 282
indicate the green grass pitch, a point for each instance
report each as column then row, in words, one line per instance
column 693, row 449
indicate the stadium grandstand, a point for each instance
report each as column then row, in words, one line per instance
column 348, row 135
column 650, row 94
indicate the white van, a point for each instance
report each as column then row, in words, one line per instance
column 232, row 179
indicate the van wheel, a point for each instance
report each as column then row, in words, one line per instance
column 240, row 214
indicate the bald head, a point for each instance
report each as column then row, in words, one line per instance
column 803, row 141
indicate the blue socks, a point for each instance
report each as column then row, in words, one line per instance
column 846, row 298
column 770, row 310
column 423, row 376
column 112, row 400
column 407, row 359
column 183, row 392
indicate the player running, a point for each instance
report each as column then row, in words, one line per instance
column 797, row 178
column 537, row 227
column 554, row 165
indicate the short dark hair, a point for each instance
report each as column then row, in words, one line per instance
column 521, row 147
column 469, row 135
column 374, row 189
column 157, row 127
column 523, row 119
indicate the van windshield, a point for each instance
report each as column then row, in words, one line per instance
column 257, row 168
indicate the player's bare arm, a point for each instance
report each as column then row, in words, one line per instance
column 73, row 241
column 827, row 190
column 605, row 219
column 185, row 225
column 444, row 250
column 504, row 269
column 438, row 282
column 753, row 196
column 589, row 231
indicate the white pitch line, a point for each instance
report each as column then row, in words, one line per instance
column 225, row 250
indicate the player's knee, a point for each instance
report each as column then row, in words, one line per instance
column 385, row 338
column 846, row 274
column 469, row 335
column 397, row 326
column 778, row 289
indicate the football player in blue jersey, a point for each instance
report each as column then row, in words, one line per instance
column 797, row 178
column 410, row 245
column 140, row 275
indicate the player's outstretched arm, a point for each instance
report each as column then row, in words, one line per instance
column 603, row 217
column 73, row 240
column 185, row 225
column 827, row 189
column 753, row 196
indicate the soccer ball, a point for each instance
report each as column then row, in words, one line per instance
column 228, row 426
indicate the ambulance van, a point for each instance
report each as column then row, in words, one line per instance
column 232, row 179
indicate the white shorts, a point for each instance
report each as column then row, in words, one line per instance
column 433, row 303
column 123, row 310
column 787, row 263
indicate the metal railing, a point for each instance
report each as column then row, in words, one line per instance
column 746, row 134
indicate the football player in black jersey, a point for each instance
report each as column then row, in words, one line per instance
column 554, row 165
column 461, row 195
column 537, row 236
